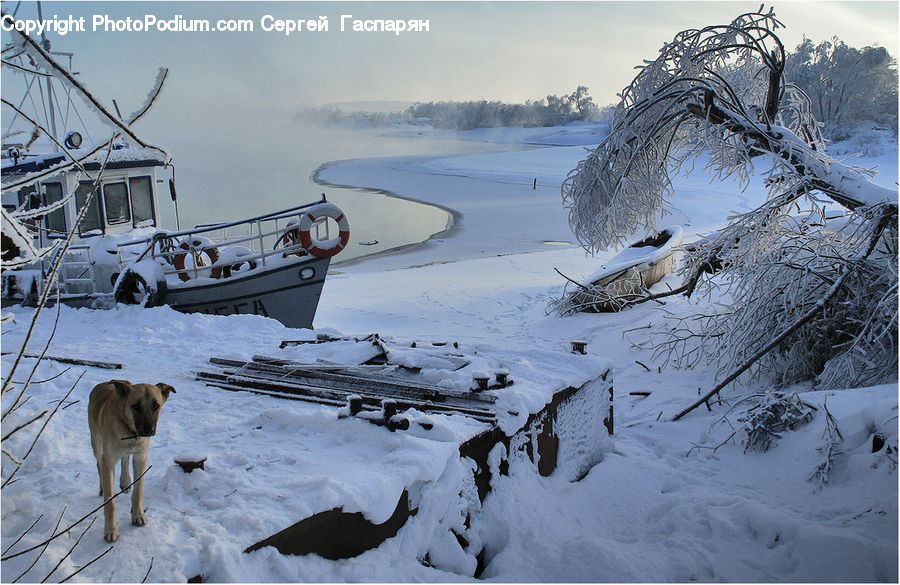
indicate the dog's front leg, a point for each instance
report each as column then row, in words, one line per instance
column 125, row 476
column 139, row 461
column 107, row 469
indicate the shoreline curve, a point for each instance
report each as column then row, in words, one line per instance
column 452, row 230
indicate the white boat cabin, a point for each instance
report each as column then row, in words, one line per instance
column 126, row 198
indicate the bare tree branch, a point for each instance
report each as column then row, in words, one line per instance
column 40, row 432
column 21, row 536
column 88, row 564
column 72, row 548
column 147, row 574
column 79, row 521
column 40, row 554
column 23, row 425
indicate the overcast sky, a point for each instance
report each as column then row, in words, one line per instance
column 223, row 85
column 510, row 51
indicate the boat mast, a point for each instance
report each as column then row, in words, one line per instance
column 46, row 45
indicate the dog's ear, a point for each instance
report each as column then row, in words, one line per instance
column 123, row 387
column 164, row 389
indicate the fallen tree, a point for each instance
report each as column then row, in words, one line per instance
column 810, row 299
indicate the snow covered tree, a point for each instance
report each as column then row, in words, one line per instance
column 583, row 103
column 846, row 85
column 561, row 105
column 808, row 300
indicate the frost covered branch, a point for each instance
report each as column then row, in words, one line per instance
column 830, row 450
column 774, row 413
column 50, row 279
column 585, row 298
column 19, row 249
column 717, row 90
column 814, row 299
column 45, row 61
column 816, row 306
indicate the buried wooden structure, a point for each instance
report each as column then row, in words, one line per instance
column 360, row 389
column 566, row 436
column 335, row 534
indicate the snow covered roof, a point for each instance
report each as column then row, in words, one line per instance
column 119, row 158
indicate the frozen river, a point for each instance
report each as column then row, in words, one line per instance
column 233, row 180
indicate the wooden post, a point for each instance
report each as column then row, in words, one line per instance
column 608, row 421
column 355, row 404
column 389, row 409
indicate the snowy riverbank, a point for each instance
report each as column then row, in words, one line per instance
column 663, row 506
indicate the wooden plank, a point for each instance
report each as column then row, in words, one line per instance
column 439, row 402
column 231, row 378
column 331, row 396
column 371, row 396
column 284, row 395
column 354, row 383
column 297, row 369
column 74, row 361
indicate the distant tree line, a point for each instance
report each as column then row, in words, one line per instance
column 552, row 111
column 334, row 116
column 851, row 91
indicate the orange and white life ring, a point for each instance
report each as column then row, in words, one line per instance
column 203, row 253
column 324, row 248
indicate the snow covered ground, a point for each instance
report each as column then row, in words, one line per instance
column 666, row 504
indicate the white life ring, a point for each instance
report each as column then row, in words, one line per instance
column 326, row 248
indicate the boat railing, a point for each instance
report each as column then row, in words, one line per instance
column 220, row 249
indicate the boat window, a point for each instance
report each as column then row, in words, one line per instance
column 141, row 201
column 28, row 200
column 115, row 199
column 56, row 220
column 92, row 219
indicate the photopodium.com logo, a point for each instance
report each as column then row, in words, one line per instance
column 103, row 23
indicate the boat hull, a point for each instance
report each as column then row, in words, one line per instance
column 289, row 293
column 633, row 271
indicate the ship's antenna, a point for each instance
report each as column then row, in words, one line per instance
column 46, row 45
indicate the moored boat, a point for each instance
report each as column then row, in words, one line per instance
column 86, row 220
column 272, row 264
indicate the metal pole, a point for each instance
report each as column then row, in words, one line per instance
column 46, row 45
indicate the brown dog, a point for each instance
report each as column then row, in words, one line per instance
column 122, row 418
